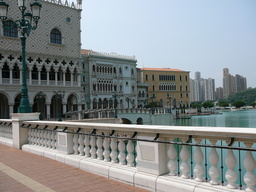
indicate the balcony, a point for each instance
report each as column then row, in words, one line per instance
column 155, row 158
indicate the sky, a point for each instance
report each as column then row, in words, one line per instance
column 191, row 35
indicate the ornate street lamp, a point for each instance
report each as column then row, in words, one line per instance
column 25, row 24
column 59, row 95
column 115, row 96
column 170, row 97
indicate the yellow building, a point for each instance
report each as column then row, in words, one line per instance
column 168, row 87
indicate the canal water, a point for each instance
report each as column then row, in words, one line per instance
column 242, row 119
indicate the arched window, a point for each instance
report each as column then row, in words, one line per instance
column 56, row 36
column 10, row 32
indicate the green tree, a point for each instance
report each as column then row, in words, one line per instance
column 196, row 104
column 208, row 104
column 223, row 103
column 238, row 103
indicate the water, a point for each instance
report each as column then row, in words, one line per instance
column 241, row 118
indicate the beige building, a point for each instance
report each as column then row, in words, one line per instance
column 168, row 87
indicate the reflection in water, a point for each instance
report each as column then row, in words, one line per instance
column 246, row 118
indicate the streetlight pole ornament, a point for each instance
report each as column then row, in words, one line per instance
column 25, row 24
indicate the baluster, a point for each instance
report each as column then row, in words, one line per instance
column 38, row 137
column 184, row 166
column 48, row 136
column 44, row 138
column 75, row 146
column 249, row 164
column 100, row 149
column 121, row 156
column 32, row 137
column 199, row 157
column 130, row 156
column 214, row 159
column 106, row 152
column 29, row 136
column 93, row 147
column 172, row 153
column 81, row 145
column 87, row 145
column 113, row 153
column 231, row 175
column 53, row 139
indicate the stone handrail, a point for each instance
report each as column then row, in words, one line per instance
column 212, row 155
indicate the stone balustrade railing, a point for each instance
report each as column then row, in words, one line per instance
column 207, row 158
column 6, row 131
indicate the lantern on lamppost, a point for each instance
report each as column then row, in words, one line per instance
column 26, row 23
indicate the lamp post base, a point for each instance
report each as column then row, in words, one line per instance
column 25, row 109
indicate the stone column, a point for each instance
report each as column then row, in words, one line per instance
column 1, row 78
column 56, row 78
column 20, row 135
column 72, row 78
column 48, row 109
column 48, row 78
column 64, row 78
column 30, row 76
column 11, row 80
column 39, row 77
column 10, row 108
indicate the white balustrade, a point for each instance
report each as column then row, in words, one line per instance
column 120, row 149
column 214, row 159
column 172, row 154
column 199, row 157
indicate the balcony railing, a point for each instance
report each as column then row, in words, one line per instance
column 158, row 157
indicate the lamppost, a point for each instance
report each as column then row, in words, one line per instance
column 115, row 96
column 41, row 96
column 170, row 97
column 153, row 103
column 25, row 24
column 59, row 95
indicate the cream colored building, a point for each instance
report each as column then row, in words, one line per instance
column 168, row 87
column 53, row 60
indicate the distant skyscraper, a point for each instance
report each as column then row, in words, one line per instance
column 233, row 84
column 202, row 89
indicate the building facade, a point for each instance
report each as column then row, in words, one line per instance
column 53, row 60
column 109, row 80
column 202, row 89
column 232, row 84
column 169, row 87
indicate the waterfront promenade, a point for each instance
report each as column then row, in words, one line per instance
column 23, row 171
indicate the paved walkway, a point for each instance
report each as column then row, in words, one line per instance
column 23, row 171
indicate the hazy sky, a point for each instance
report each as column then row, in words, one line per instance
column 191, row 35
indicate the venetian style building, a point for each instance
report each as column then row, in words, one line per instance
column 109, row 80
column 169, row 87
column 53, row 60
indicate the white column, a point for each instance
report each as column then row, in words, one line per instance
column 81, row 145
column 99, row 148
column 79, row 80
column 30, row 77
column 199, row 157
column 39, row 77
column 64, row 78
column 184, row 166
column 64, row 108
column 48, row 78
column 106, row 152
column 11, row 81
column 56, row 78
column 48, row 110
column 72, row 79
column 75, row 141
column 172, row 153
column 113, row 153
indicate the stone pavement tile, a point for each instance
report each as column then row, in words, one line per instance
column 53, row 175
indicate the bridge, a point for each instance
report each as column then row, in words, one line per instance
column 151, row 157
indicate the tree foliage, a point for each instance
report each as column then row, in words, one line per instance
column 208, row 104
column 238, row 103
column 248, row 96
